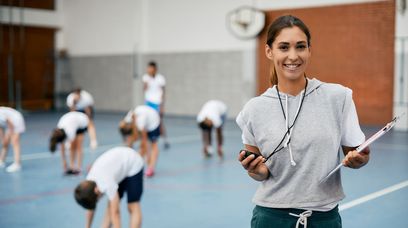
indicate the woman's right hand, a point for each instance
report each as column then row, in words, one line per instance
column 255, row 166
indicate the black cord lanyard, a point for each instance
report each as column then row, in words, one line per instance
column 277, row 149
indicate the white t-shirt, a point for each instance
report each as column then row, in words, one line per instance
column 213, row 110
column 147, row 118
column 71, row 122
column 85, row 100
column 112, row 167
column 14, row 117
column 155, row 88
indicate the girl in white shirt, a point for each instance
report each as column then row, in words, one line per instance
column 82, row 101
column 212, row 115
column 11, row 126
column 70, row 132
column 143, row 121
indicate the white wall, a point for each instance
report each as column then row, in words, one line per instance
column 401, row 70
column 101, row 27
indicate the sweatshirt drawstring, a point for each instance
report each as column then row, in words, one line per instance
column 287, row 142
column 302, row 218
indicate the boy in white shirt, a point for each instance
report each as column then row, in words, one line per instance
column 70, row 132
column 212, row 115
column 154, row 87
column 82, row 101
column 143, row 121
column 115, row 172
column 11, row 126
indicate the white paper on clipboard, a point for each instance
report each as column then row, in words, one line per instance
column 367, row 143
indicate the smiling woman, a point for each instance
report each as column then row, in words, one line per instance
column 298, row 127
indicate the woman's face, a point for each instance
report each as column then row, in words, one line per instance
column 289, row 53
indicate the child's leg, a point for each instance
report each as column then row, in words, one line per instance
column 220, row 140
column 79, row 145
column 135, row 215
column 206, row 136
column 15, row 141
column 72, row 153
column 4, row 148
column 154, row 154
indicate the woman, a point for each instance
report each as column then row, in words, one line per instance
column 298, row 127
column 11, row 126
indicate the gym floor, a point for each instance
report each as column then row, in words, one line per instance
column 188, row 190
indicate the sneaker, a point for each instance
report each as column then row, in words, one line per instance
column 13, row 168
column 166, row 145
column 210, row 150
column 2, row 164
column 149, row 172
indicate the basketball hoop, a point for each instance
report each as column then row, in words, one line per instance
column 245, row 22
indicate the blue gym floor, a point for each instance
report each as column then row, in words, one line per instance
column 188, row 190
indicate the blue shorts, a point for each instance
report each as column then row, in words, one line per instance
column 153, row 105
column 154, row 135
column 133, row 186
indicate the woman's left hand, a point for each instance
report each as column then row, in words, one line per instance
column 355, row 159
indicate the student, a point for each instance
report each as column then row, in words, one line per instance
column 212, row 115
column 154, row 88
column 303, row 123
column 82, row 101
column 11, row 126
column 143, row 121
column 115, row 172
column 70, row 132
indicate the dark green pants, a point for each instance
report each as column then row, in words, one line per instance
column 264, row 217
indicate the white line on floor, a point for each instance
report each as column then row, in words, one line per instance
column 44, row 155
column 373, row 195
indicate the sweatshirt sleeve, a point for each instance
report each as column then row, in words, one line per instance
column 352, row 135
column 247, row 133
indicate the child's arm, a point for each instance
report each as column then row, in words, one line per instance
column 114, row 211
column 64, row 160
column 89, row 218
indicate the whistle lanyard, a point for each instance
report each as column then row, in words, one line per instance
column 279, row 147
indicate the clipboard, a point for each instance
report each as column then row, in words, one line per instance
column 376, row 136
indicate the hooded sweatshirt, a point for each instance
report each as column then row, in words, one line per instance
column 326, row 121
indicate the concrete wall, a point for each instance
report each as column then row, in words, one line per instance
column 107, row 78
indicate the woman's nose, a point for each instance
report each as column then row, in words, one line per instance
column 292, row 55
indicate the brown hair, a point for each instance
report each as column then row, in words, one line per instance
column 85, row 194
column 286, row 21
column 57, row 136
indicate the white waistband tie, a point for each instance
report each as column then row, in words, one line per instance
column 302, row 218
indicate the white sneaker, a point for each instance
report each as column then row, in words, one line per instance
column 13, row 168
column 2, row 164
column 210, row 150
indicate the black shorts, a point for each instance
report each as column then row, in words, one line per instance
column 81, row 130
column 92, row 115
column 133, row 186
column 154, row 135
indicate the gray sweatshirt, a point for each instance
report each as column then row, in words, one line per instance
column 327, row 120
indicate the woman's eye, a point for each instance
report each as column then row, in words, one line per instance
column 301, row 47
column 283, row 48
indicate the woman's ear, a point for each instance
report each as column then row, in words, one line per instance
column 268, row 52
